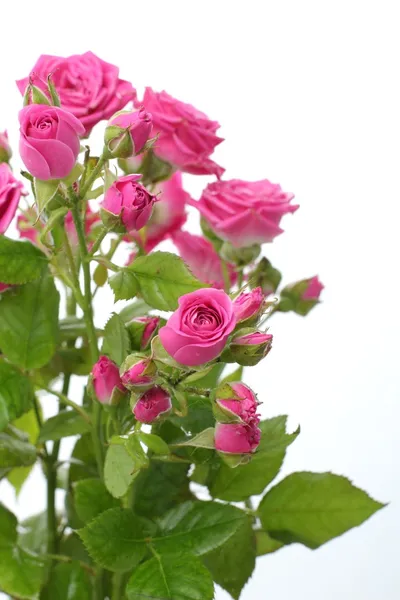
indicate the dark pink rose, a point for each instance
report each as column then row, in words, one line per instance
column 187, row 137
column 200, row 256
column 127, row 132
column 88, row 87
column 248, row 305
column 245, row 212
column 152, row 404
column 49, row 142
column 5, row 149
column 237, row 438
column 138, row 372
column 314, row 289
column 198, row 331
column 243, row 404
column 11, row 191
column 4, row 287
column 25, row 226
column 106, row 379
column 130, row 201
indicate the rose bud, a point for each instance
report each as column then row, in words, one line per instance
column 266, row 277
column 106, row 381
column 138, row 372
column 235, row 402
column 127, row 133
column 152, row 404
column 239, row 256
column 248, row 347
column 248, row 306
column 49, row 142
column 11, row 191
column 198, row 331
column 5, row 150
column 301, row 296
column 237, row 438
column 127, row 205
column 141, row 330
column 245, row 213
column 4, row 287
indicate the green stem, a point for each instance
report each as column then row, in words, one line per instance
column 107, row 263
column 68, row 559
column 92, row 177
column 97, row 242
column 225, row 274
column 240, row 278
column 67, row 402
column 117, row 583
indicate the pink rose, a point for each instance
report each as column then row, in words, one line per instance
column 314, row 289
column 130, row 201
column 152, row 404
column 106, row 379
column 4, row 287
column 142, row 330
column 49, row 142
column 5, row 150
column 127, row 132
column 237, row 438
column 200, row 256
column 11, row 191
column 25, row 227
column 243, row 404
column 245, row 212
column 197, row 332
column 91, row 220
column 248, row 305
column 187, row 136
column 248, row 347
column 138, row 372
column 88, row 87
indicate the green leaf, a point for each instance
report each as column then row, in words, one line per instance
column 72, row 545
column 121, row 468
column 64, row 424
column 115, row 539
column 44, row 192
column 163, row 277
column 171, row 578
column 232, row 564
column 204, row 439
column 91, row 499
column 28, row 424
column 33, row 533
column 20, row 262
column 68, row 582
column 265, row 544
column 160, row 487
column 15, row 453
column 198, row 418
column 247, row 480
column 235, row 376
column 116, row 340
column 155, row 443
column 21, row 573
column 56, row 216
column 74, row 175
column 29, row 323
column 16, row 393
column 124, row 285
column 313, row 508
column 100, row 275
column 85, row 464
column 134, row 309
column 197, row 527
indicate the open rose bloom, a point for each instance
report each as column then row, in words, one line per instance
column 133, row 314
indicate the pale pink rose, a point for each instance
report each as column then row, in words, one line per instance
column 201, row 258
column 89, row 87
column 152, row 404
column 314, row 289
column 248, row 305
column 129, row 200
column 4, row 287
column 5, row 149
column 245, row 212
column 198, row 330
column 136, row 125
column 187, row 137
column 141, row 372
column 244, row 404
column 105, row 377
column 25, row 227
column 49, row 142
column 11, row 191
column 91, row 220
column 237, row 438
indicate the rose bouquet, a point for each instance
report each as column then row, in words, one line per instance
column 169, row 486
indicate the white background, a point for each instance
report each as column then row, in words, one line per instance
column 307, row 95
